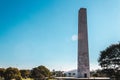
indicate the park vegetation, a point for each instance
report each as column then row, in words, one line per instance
column 37, row 73
column 109, row 60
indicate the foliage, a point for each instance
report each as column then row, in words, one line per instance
column 58, row 73
column 109, row 60
column 97, row 73
column 12, row 73
column 2, row 70
column 40, row 72
column 25, row 73
column 45, row 71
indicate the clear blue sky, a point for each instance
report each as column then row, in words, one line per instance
column 43, row 32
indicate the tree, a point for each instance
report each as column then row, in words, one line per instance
column 45, row 71
column 59, row 73
column 25, row 73
column 97, row 73
column 40, row 72
column 2, row 70
column 12, row 73
column 109, row 60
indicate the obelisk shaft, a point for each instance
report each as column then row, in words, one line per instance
column 83, row 52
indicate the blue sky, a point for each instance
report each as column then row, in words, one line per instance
column 43, row 32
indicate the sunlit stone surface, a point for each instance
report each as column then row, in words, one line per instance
column 83, row 52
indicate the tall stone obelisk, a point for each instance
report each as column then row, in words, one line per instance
column 83, row 52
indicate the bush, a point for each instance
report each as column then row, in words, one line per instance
column 12, row 73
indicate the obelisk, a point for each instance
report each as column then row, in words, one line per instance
column 83, row 52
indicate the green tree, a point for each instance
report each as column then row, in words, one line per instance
column 97, row 73
column 40, row 72
column 45, row 71
column 2, row 70
column 59, row 73
column 12, row 73
column 25, row 73
column 109, row 60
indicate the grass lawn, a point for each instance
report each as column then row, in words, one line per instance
column 32, row 79
column 27, row 79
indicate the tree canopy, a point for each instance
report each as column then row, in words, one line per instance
column 2, row 70
column 12, row 73
column 109, row 60
column 40, row 72
column 37, row 73
column 25, row 73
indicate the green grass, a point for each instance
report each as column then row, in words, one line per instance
column 27, row 79
column 32, row 79
column 22, row 79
